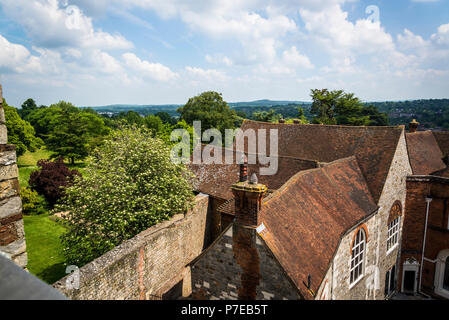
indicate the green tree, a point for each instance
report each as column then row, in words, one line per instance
column 74, row 133
column 43, row 120
column 165, row 117
column 209, row 108
column 301, row 116
column 131, row 117
column 153, row 123
column 338, row 107
column 130, row 184
column 27, row 107
column 20, row 132
column 264, row 116
column 323, row 105
column 376, row 118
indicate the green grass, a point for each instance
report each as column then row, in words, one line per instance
column 42, row 234
column 45, row 259
column 27, row 163
column 31, row 158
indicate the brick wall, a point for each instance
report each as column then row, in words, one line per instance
column 437, row 237
column 148, row 265
column 217, row 275
column 12, row 236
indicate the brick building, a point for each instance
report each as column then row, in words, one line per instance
column 351, row 213
column 337, row 220
column 424, row 263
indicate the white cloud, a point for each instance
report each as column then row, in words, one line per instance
column 154, row 71
column 50, row 25
column 219, row 59
column 410, row 41
column 258, row 34
column 442, row 35
column 293, row 58
column 16, row 58
column 209, row 74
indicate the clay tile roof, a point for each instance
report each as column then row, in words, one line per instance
column 374, row 147
column 424, row 153
column 442, row 138
column 217, row 179
column 307, row 217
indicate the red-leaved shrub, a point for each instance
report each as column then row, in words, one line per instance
column 51, row 178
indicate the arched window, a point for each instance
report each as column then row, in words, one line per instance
column 394, row 223
column 358, row 256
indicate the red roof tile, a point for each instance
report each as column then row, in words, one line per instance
column 217, row 179
column 374, row 147
column 306, row 218
column 424, row 153
column 442, row 138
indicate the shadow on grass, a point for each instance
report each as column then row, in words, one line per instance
column 53, row 273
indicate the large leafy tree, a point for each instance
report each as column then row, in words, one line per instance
column 209, row 108
column 44, row 119
column 27, row 107
column 339, row 107
column 74, row 134
column 129, row 185
column 20, row 132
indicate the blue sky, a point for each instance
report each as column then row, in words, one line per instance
column 157, row 52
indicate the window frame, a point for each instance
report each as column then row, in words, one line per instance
column 357, row 261
column 394, row 227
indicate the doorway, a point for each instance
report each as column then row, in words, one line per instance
column 409, row 281
column 410, row 276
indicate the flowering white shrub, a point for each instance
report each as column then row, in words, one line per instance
column 129, row 185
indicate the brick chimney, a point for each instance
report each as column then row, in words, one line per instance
column 248, row 203
column 413, row 126
column 248, row 200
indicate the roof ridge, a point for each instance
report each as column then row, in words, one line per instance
column 327, row 125
column 257, row 153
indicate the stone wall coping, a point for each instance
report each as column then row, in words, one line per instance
column 128, row 247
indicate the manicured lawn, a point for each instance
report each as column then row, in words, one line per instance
column 27, row 163
column 45, row 259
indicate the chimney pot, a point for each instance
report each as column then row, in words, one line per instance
column 413, row 126
column 254, row 179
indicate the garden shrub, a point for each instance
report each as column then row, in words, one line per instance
column 51, row 178
column 32, row 202
column 130, row 184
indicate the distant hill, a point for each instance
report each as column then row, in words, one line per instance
column 265, row 103
column 431, row 113
column 171, row 108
